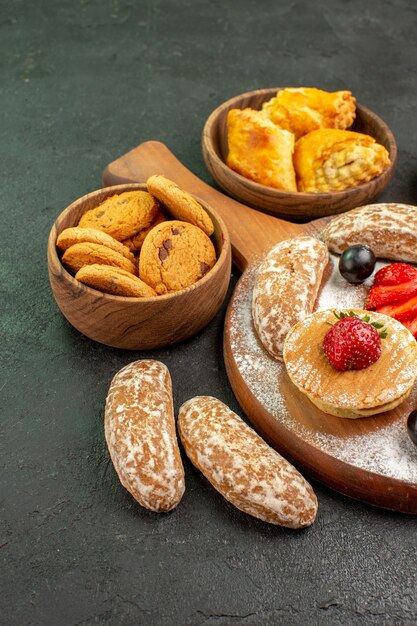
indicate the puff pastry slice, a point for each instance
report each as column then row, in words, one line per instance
column 332, row 160
column 303, row 109
column 259, row 150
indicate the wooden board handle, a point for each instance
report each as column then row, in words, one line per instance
column 252, row 232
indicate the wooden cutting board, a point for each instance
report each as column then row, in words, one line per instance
column 371, row 459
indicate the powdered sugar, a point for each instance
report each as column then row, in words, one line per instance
column 385, row 450
column 374, row 225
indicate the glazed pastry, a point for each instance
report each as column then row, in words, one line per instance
column 114, row 280
column 259, row 150
column 389, row 229
column 332, row 160
column 303, row 109
column 286, row 287
column 174, row 256
column 353, row 393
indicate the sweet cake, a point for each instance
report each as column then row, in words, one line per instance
column 376, row 387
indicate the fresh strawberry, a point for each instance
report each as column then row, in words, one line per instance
column 395, row 274
column 352, row 344
column 385, row 294
column 412, row 326
column 401, row 311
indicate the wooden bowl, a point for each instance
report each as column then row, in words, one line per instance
column 137, row 323
column 295, row 206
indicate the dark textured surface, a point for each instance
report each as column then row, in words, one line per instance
column 82, row 82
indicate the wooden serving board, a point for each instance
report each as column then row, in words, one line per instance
column 371, row 459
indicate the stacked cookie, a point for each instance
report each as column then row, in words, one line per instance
column 141, row 243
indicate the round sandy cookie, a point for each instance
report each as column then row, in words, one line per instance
column 87, row 253
column 122, row 215
column 174, row 256
column 114, row 280
column 134, row 243
column 180, row 204
column 71, row 236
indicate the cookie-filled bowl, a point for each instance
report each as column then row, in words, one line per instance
column 137, row 323
column 291, row 205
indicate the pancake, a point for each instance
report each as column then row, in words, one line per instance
column 353, row 393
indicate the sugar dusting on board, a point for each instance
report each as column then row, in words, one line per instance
column 387, row 451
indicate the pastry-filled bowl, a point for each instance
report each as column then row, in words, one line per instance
column 131, row 322
column 297, row 206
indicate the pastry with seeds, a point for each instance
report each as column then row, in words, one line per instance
column 122, row 215
column 175, row 255
column 179, row 203
column 87, row 253
column 114, row 280
column 71, row 236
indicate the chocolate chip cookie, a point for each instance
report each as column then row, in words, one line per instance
column 114, row 280
column 122, row 215
column 134, row 243
column 88, row 253
column 73, row 235
column 179, row 203
column 175, row 255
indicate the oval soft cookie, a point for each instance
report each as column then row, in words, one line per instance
column 175, row 255
column 241, row 465
column 389, row 229
column 286, row 286
column 140, row 433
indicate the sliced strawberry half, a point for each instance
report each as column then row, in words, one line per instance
column 401, row 311
column 395, row 274
column 412, row 326
column 385, row 294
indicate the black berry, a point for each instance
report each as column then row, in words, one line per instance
column 412, row 426
column 357, row 263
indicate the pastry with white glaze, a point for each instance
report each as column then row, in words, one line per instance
column 286, row 288
column 242, row 467
column 140, row 435
column 382, row 386
column 389, row 229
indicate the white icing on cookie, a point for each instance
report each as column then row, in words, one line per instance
column 286, row 287
column 140, row 434
column 389, row 229
column 242, row 467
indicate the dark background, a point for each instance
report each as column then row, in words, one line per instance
column 82, row 82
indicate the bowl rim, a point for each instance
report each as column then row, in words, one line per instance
column 53, row 256
column 278, row 193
